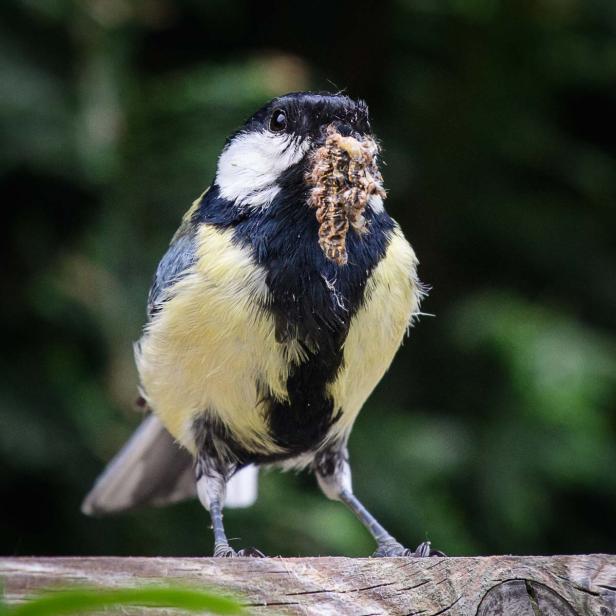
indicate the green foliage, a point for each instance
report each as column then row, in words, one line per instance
column 495, row 429
column 84, row 600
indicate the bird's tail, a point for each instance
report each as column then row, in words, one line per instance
column 152, row 469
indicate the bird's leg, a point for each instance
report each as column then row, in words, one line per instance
column 221, row 543
column 212, row 475
column 214, row 466
column 211, row 487
column 333, row 473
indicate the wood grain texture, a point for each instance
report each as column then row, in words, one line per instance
column 495, row 585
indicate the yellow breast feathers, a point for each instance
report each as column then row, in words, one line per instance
column 376, row 332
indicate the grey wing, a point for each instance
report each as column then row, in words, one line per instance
column 178, row 259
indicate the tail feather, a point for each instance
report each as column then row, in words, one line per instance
column 152, row 469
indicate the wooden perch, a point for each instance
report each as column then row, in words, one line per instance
column 487, row 586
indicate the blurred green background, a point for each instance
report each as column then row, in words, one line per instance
column 494, row 431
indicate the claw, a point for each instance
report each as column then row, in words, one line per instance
column 393, row 548
column 226, row 551
column 424, row 550
column 251, row 553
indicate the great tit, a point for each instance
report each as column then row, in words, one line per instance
column 279, row 305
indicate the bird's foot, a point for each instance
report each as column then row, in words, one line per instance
column 224, row 550
column 393, row 548
column 251, row 553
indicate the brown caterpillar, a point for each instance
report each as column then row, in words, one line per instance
column 343, row 176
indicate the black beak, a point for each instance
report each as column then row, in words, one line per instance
column 346, row 130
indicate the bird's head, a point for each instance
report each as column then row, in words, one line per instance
column 317, row 147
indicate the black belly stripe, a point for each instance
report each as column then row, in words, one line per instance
column 312, row 299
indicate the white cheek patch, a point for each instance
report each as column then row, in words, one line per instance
column 251, row 164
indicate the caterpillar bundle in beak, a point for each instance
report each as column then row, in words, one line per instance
column 343, row 175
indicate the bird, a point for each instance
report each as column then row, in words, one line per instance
column 279, row 305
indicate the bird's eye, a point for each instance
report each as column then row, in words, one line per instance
column 278, row 121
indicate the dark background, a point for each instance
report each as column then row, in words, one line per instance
column 494, row 430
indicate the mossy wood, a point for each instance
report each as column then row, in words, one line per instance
column 495, row 585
